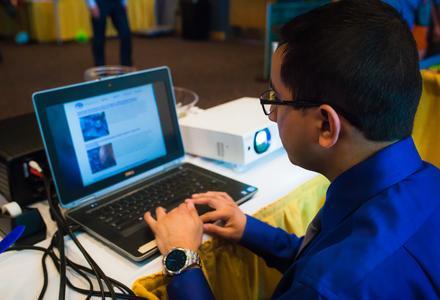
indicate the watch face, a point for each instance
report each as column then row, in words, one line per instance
column 175, row 260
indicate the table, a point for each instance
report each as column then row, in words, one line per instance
column 21, row 272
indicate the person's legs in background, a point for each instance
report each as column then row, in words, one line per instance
column 120, row 21
column 99, row 28
column 434, row 30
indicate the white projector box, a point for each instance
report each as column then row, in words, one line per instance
column 233, row 132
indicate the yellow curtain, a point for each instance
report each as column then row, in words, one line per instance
column 141, row 14
column 426, row 131
column 74, row 19
column 232, row 271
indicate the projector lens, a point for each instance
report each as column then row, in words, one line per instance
column 262, row 141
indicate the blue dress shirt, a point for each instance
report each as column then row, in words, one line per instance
column 379, row 238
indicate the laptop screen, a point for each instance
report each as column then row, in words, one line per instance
column 102, row 133
column 114, row 132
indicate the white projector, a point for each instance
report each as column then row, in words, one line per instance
column 236, row 132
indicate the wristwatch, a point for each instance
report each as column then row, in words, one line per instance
column 179, row 259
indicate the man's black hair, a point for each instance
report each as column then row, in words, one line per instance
column 360, row 56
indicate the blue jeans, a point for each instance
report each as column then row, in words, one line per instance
column 118, row 15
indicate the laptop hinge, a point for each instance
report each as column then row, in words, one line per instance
column 84, row 201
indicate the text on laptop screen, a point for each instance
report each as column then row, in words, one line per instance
column 115, row 132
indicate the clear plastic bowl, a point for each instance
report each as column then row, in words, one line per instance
column 185, row 100
column 105, row 71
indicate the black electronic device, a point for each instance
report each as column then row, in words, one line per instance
column 35, row 228
column 20, row 142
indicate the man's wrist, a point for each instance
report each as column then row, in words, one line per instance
column 178, row 260
column 243, row 227
column 172, row 246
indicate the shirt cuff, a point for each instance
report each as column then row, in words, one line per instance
column 91, row 3
column 191, row 284
column 253, row 228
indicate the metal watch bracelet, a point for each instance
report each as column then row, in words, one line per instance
column 192, row 258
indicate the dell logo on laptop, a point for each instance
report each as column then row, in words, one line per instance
column 129, row 173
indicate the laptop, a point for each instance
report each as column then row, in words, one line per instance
column 115, row 151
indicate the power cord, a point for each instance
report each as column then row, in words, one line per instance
column 62, row 263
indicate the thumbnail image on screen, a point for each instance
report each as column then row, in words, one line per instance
column 94, row 126
column 101, row 158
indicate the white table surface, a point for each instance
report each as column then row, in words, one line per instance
column 21, row 274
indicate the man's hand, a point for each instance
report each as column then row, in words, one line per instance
column 94, row 10
column 226, row 212
column 181, row 227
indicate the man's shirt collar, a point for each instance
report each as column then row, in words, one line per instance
column 368, row 178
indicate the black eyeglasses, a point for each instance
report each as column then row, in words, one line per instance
column 268, row 100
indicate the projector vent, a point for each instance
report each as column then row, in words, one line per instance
column 220, row 149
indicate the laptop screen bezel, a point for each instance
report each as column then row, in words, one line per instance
column 59, row 96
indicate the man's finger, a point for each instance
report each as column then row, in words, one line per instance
column 221, row 196
column 213, row 216
column 207, row 194
column 192, row 209
column 225, row 196
column 214, row 193
column 207, row 200
column 160, row 213
column 216, row 230
column 200, row 200
column 217, row 193
column 198, row 195
column 151, row 222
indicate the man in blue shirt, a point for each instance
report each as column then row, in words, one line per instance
column 345, row 89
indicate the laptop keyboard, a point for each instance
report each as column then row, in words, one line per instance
column 127, row 212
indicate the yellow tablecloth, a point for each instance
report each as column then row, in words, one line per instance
column 232, row 271
column 74, row 17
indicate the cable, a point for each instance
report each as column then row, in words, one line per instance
column 128, row 295
column 62, row 224
column 43, row 262
column 63, row 276
column 63, row 263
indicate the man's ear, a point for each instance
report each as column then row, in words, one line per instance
column 330, row 126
